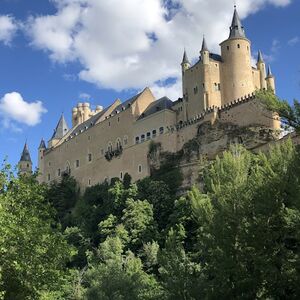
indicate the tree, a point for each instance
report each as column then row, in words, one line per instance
column 249, row 220
column 289, row 114
column 33, row 251
column 114, row 275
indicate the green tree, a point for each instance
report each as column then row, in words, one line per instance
column 248, row 235
column 114, row 275
column 33, row 251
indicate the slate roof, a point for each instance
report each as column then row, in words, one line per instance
column 61, row 129
column 216, row 57
column 185, row 59
column 204, row 45
column 42, row 144
column 25, row 154
column 260, row 57
column 270, row 74
column 236, row 28
column 158, row 105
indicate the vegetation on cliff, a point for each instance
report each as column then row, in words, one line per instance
column 238, row 238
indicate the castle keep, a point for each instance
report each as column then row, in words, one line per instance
column 109, row 142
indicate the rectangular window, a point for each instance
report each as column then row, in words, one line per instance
column 49, row 177
column 90, row 157
column 161, row 130
column 195, row 90
column 137, row 139
column 77, row 163
column 89, row 182
column 121, row 175
column 154, row 133
column 148, row 135
column 142, row 138
column 140, row 169
column 58, row 172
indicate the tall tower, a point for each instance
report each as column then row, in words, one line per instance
column 185, row 65
column 236, row 69
column 270, row 80
column 25, row 163
column 206, row 73
column 41, row 150
column 261, row 66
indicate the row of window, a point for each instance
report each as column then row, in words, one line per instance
column 238, row 46
column 144, row 137
column 217, row 87
column 59, row 173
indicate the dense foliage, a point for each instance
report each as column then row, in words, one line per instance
column 237, row 238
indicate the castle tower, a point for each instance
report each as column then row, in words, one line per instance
column 261, row 66
column 236, row 69
column 270, row 80
column 206, row 73
column 25, row 163
column 41, row 150
column 60, row 131
column 185, row 65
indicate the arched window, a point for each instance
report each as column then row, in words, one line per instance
column 125, row 140
column 137, row 139
column 118, row 144
column 142, row 138
column 110, row 147
column 68, row 168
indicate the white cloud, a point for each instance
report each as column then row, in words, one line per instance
column 134, row 43
column 8, row 28
column 13, row 108
column 84, row 96
column 295, row 40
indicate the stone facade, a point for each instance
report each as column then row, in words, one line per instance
column 218, row 92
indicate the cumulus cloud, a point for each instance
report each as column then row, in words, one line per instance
column 134, row 43
column 8, row 28
column 13, row 108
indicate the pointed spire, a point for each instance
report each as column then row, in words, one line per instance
column 236, row 28
column 185, row 59
column 25, row 156
column 260, row 57
column 270, row 74
column 204, row 45
column 42, row 144
column 61, row 129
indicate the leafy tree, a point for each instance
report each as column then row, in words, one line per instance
column 33, row 251
column 249, row 220
column 63, row 196
column 180, row 276
column 113, row 274
column 289, row 114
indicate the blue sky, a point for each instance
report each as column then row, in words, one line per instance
column 66, row 51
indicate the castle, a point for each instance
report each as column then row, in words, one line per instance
column 107, row 143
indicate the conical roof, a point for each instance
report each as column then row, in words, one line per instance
column 204, row 45
column 61, row 129
column 270, row 74
column 42, row 144
column 25, row 156
column 236, row 28
column 185, row 59
column 260, row 57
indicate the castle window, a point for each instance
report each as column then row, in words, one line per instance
column 239, row 46
column 90, row 182
column 161, row 130
column 49, row 177
column 148, row 135
column 140, row 168
column 109, row 147
column 119, row 144
column 142, row 138
column 203, row 85
column 121, row 175
column 195, row 90
column 154, row 133
column 219, row 86
column 227, row 47
column 49, row 163
column 58, row 172
column 137, row 139
column 77, row 163
column 102, row 151
column 108, row 123
column 90, row 157
column 118, row 119
column 125, row 140
column 27, row 165
column 89, row 137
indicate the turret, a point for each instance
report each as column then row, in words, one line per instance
column 185, row 65
column 60, row 131
column 41, row 151
column 236, row 68
column 270, row 80
column 25, row 163
column 204, row 52
column 261, row 66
